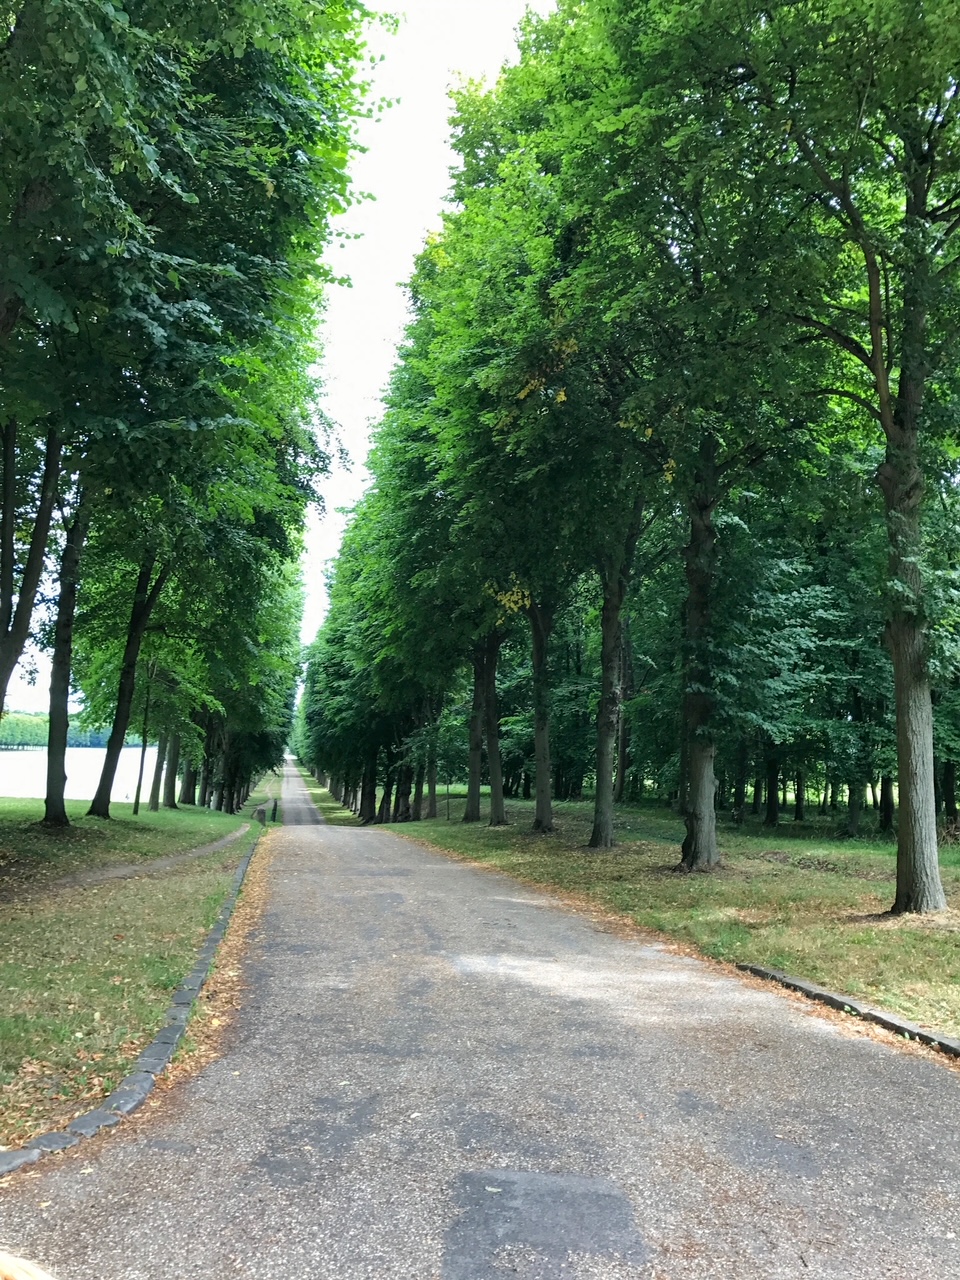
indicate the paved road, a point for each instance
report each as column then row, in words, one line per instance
column 440, row 1076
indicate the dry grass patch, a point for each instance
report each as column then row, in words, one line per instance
column 87, row 975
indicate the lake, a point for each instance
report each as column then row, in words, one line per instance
column 24, row 773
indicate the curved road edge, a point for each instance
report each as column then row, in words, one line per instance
column 135, row 1088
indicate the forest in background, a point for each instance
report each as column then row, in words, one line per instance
column 168, row 174
column 664, row 497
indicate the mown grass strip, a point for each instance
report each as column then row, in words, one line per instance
column 87, row 973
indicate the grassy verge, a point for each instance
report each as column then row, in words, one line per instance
column 32, row 855
column 87, row 973
column 797, row 898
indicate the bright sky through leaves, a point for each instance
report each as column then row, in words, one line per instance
column 406, row 169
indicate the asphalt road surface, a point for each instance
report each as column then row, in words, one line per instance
column 439, row 1075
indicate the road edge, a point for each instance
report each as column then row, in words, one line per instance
column 856, row 1008
column 136, row 1087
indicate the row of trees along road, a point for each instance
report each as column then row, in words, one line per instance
column 678, row 399
column 167, row 177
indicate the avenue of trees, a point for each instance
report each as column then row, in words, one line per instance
column 664, row 496
column 168, row 172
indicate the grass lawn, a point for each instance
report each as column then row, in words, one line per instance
column 31, row 855
column 797, row 897
column 87, row 973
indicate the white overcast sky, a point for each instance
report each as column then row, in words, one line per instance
column 405, row 168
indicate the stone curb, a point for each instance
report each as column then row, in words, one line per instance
column 847, row 1004
column 134, row 1089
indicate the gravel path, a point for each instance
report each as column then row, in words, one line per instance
column 439, row 1075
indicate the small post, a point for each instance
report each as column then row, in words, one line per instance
column 273, row 815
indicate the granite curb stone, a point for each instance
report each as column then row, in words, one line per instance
column 847, row 1004
column 135, row 1088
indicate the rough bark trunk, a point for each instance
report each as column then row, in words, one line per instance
column 188, row 791
column 170, row 775
column 432, row 782
column 368, row 790
column 161, row 760
column 491, row 722
column 401, row 809
column 623, row 734
column 383, row 813
column 740, row 781
column 144, row 740
column 416, row 808
column 800, row 798
column 608, row 713
column 854, row 806
column 206, row 769
column 699, row 851
column 772, row 788
column 472, row 811
column 144, row 600
column 17, row 600
column 919, row 888
column 541, row 625
column 757, row 795
column 54, row 809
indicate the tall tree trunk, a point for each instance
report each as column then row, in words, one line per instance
column 206, row 769
column 854, row 806
column 472, row 811
column 17, row 599
column 188, row 791
column 800, row 798
column 383, row 813
column 757, row 794
column 937, row 789
column 401, row 808
column 541, row 625
column 772, row 787
column 432, row 781
column 623, row 734
column 55, row 810
column 368, row 790
column 900, row 478
column 144, row 740
column 614, row 579
column 699, row 850
column 144, row 600
column 740, row 780
column 158, row 774
column 173, row 766
column 416, row 809
column 491, row 716
column 887, row 815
